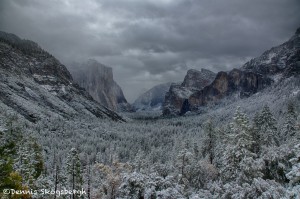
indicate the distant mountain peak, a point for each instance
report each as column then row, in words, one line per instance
column 152, row 99
column 98, row 80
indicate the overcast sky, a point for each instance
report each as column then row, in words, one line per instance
column 148, row 42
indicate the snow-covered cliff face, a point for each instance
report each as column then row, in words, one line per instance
column 225, row 84
column 272, row 66
column 280, row 61
column 152, row 99
column 35, row 85
column 178, row 94
column 98, row 80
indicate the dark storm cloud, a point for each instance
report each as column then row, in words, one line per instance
column 153, row 41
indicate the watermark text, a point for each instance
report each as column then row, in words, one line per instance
column 44, row 192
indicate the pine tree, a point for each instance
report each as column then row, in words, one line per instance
column 239, row 159
column 7, row 152
column 89, row 177
column 133, row 186
column 29, row 162
column 18, row 159
column 73, row 167
column 184, row 162
column 56, row 179
column 289, row 127
column 209, row 143
column 87, row 180
column 267, row 127
column 139, row 161
column 294, row 174
column 111, row 178
column 23, row 165
column 255, row 131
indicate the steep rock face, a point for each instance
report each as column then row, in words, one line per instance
column 37, row 86
column 98, row 80
column 235, row 82
column 177, row 96
column 152, row 99
column 198, row 79
column 278, row 62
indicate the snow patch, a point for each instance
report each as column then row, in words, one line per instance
column 294, row 93
column 2, row 129
column 276, row 78
column 157, row 108
column 63, row 88
column 31, row 93
column 183, row 92
column 47, row 87
column 44, row 77
column 269, row 58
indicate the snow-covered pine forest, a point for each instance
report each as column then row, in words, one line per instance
column 246, row 148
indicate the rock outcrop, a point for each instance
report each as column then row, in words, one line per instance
column 225, row 84
column 178, row 94
column 153, row 99
column 35, row 85
column 98, row 80
column 198, row 79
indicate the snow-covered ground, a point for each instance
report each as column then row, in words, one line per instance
column 146, row 151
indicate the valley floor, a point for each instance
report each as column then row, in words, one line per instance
column 224, row 152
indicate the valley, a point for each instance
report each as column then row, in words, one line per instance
column 233, row 134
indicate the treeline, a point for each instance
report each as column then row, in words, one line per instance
column 26, row 46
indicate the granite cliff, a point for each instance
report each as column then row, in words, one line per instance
column 272, row 66
column 98, row 80
column 225, row 84
column 178, row 94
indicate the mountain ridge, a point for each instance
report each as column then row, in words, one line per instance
column 35, row 85
column 282, row 59
column 278, row 63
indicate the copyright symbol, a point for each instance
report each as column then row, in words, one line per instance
column 6, row 191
